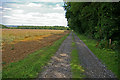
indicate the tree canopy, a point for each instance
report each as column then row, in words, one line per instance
column 97, row 20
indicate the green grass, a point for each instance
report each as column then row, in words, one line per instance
column 30, row 66
column 107, row 56
column 73, row 44
column 76, row 69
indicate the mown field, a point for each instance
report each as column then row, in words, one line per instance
column 18, row 43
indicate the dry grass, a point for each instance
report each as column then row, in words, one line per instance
column 13, row 35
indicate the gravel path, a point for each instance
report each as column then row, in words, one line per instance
column 93, row 67
column 59, row 66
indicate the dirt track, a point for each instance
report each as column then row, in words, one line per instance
column 93, row 67
column 59, row 66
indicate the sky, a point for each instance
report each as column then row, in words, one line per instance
column 32, row 12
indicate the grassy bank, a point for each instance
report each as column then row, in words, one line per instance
column 76, row 68
column 107, row 56
column 30, row 66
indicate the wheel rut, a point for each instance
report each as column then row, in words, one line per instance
column 59, row 65
column 93, row 67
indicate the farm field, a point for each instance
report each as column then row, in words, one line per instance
column 18, row 43
column 16, row 35
column 63, row 39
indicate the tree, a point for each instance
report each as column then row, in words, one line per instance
column 97, row 20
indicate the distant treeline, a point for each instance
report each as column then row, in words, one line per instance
column 36, row 27
column 3, row 26
column 43, row 27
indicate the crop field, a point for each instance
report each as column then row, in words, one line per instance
column 18, row 43
column 16, row 35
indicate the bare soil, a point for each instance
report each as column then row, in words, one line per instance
column 19, row 50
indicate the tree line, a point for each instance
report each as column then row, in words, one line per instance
column 37, row 27
column 43, row 27
column 97, row 20
column 3, row 26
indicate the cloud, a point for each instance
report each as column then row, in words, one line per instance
column 34, row 13
column 34, row 5
column 7, row 17
column 49, row 14
column 46, row 19
column 31, row 0
column 58, row 7
column 17, row 11
column 0, row 7
column 50, row 0
column 5, row 9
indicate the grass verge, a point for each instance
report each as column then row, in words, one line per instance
column 76, row 68
column 30, row 66
column 107, row 56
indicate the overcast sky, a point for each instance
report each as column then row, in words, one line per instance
column 32, row 12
